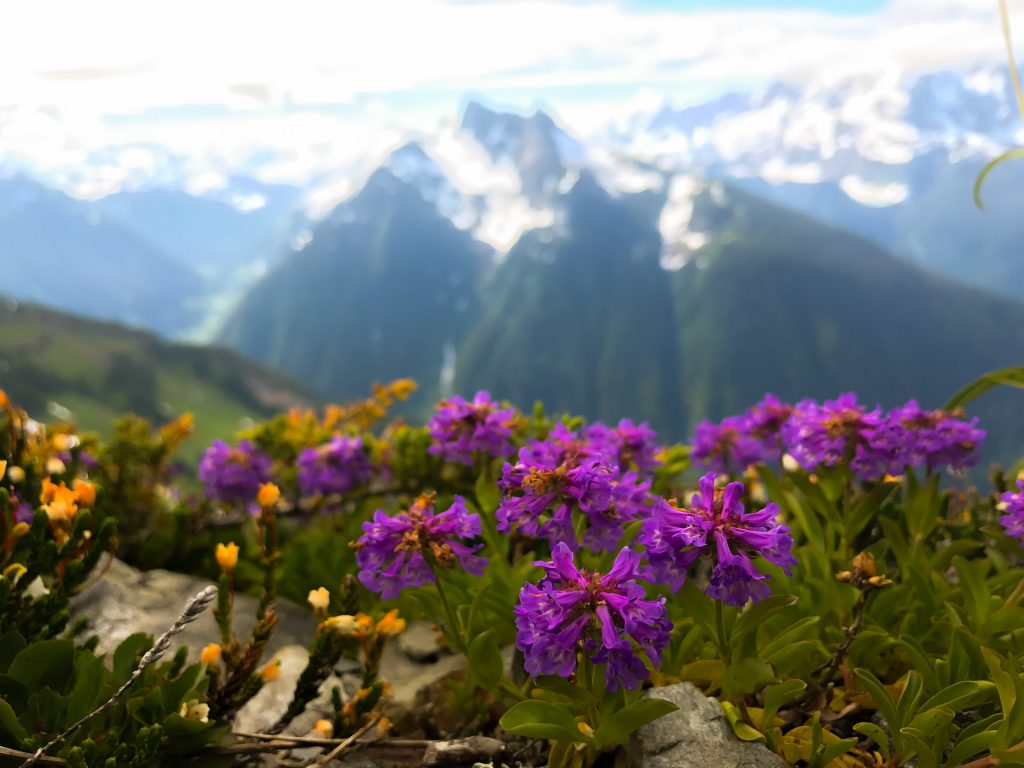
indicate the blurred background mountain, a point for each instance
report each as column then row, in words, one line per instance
column 698, row 236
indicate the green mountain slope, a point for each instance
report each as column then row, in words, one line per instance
column 53, row 363
column 385, row 289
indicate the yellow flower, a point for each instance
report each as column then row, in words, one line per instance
column 16, row 474
column 384, row 726
column 54, row 466
column 271, row 671
column 20, row 530
column 195, row 710
column 3, row 467
column 364, row 622
column 60, row 442
column 178, row 430
column 210, row 654
column 5, row 401
column 85, row 492
column 58, row 501
column 344, row 625
column 319, row 598
column 391, row 625
column 324, row 728
column 268, row 495
column 227, row 556
column 585, row 728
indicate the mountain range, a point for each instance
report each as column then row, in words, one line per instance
column 802, row 239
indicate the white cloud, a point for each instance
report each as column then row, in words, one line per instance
column 68, row 66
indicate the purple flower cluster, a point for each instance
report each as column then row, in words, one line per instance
column 740, row 441
column 716, row 525
column 390, row 553
column 233, row 474
column 335, row 467
column 1013, row 520
column 461, row 429
column 628, row 445
column 553, row 477
column 838, row 431
column 602, row 615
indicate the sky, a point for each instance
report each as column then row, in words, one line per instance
column 324, row 79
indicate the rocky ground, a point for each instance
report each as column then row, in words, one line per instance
column 124, row 601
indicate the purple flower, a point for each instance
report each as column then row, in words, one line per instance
column 716, row 524
column 938, row 438
column 390, row 551
column 603, row 615
column 628, row 446
column 556, row 476
column 726, row 446
column 335, row 467
column 461, row 429
column 839, row 431
column 764, row 424
column 233, row 474
column 23, row 513
column 1013, row 520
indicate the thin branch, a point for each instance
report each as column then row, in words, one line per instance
column 193, row 610
column 326, row 759
column 13, row 753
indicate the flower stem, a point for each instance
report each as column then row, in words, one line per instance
column 723, row 642
column 453, row 619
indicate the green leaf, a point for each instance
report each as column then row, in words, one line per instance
column 1005, row 377
column 909, row 696
column 975, row 593
column 617, row 727
column 876, row 734
column 968, row 747
column 484, row 660
column 834, row 750
column 918, row 741
column 11, row 644
column 128, row 653
column 543, row 720
column 48, row 663
column 966, row 694
column 747, row 675
column 487, row 493
column 776, row 696
column 991, row 165
column 881, row 698
column 930, row 723
column 11, row 731
column 758, row 613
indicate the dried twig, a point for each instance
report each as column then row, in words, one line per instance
column 193, row 610
column 16, row 753
column 326, row 759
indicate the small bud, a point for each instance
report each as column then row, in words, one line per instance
column 865, row 562
column 879, row 582
column 20, row 529
column 227, row 556
column 268, row 495
column 384, row 726
column 271, row 671
column 344, row 625
column 585, row 729
column 845, row 576
column 319, row 598
column 16, row 474
column 364, row 622
column 54, row 466
column 391, row 625
column 5, row 401
column 3, row 467
column 789, row 463
column 210, row 654
column 324, row 728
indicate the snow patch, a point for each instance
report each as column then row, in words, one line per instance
column 679, row 242
column 873, row 194
column 501, row 226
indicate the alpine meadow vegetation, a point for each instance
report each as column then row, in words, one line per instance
column 826, row 570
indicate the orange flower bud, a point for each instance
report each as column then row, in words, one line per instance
column 227, row 556
column 210, row 654
column 391, row 625
column 319, row 598
column 268, row 495
column 271, row 671
column 324, row 729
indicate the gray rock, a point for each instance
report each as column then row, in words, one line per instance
column 419, row 642
column 123, row 600
column 697, row 735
